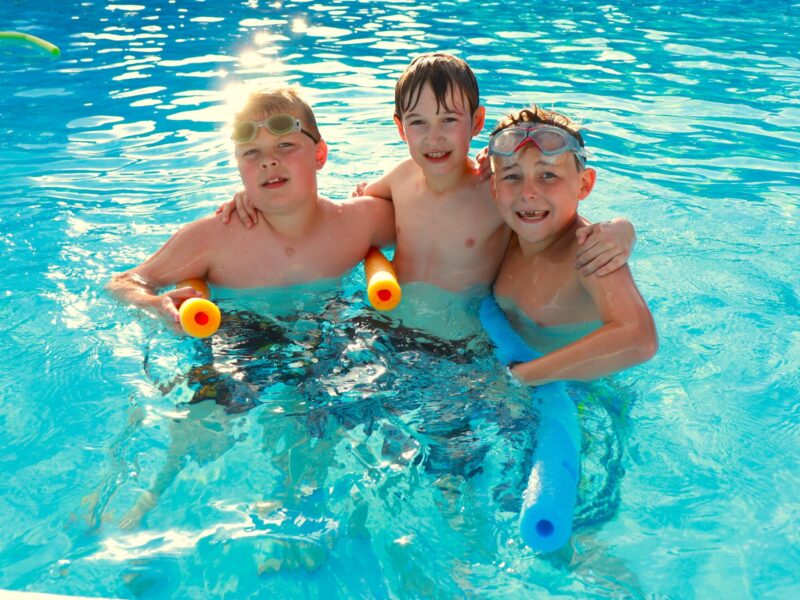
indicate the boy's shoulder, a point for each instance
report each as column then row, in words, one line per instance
column 403, row 169
column 210, row 234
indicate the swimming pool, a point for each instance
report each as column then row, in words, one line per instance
column 363, row 466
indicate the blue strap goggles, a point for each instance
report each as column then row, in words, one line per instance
column 550, row 140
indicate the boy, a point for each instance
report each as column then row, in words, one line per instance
column 449, row 232
column 302, row 236
column 539, row 176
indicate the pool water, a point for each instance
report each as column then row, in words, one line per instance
column 340, row 453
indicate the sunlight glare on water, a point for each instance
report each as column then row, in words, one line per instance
column 356, row 457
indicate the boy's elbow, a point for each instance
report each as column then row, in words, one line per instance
column 115, row 284
column 645, row 339
column 647, row 349
column 122, row 285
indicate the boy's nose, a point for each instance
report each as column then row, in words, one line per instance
column 269, row 161
column 530, row 190
column 435, row 134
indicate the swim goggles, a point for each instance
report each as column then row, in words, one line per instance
column 550, row 140
column 246, row 131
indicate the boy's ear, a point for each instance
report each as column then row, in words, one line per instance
column 588, row 177
column 400, row 129
column 321, row 156
column 478, row 120
column 493, row 187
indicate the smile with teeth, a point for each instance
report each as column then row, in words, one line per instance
column 274, row 181
column 437, row 155
column 532, row 215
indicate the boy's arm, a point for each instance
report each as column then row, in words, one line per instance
column 604, row 247
column 184, row 256
column 376, row 216
column 627, row 336
column 382, row 220
column 380, row 188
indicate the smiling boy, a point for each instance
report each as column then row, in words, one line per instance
column 449, row 232
column 540, row 176
column 302, row 237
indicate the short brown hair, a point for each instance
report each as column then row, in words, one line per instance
column 537, row 114
column 445, row 73
column 273, row 101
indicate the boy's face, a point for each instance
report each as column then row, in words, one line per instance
column 278, row 171
column 438, row 138
column 538, row 195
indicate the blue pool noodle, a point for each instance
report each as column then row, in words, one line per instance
column 548, row 503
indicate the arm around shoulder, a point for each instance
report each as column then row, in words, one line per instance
column 382, row 221
column 604, row 247
column 382, row 187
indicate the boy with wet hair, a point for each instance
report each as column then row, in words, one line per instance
column 539, row 176
column 448, row 232
column 302, row 236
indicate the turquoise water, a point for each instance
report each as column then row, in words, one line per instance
column 358, row 458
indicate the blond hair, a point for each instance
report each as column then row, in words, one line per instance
column 274, row 101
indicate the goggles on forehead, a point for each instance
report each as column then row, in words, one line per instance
column 550, row 140
column 246, row 131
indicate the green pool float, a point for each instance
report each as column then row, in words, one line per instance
column 16, row 36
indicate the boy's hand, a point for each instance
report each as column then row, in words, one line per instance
column 361, row 187
column 483, row 169
column 248, row 214
column 604, row 247
column 168, row 303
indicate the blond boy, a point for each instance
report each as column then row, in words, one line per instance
column 302, row 235
column 539, row 177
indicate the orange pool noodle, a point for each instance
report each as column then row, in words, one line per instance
column 200, row 318
column 383, row 290
column 198, row 284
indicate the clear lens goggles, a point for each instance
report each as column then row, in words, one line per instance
column 550, row 140
column 246, row 131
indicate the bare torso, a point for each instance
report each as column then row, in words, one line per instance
column 546, row 286
column 453, row 239
column 233, row 256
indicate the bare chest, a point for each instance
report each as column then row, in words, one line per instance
column 463, row 221
column 268, row 262
column 549, row 294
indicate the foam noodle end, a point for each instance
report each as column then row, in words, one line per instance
column 200, row 318
column 383, row 290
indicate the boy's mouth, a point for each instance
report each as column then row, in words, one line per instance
column 274, row 182
column 437, row 156
column 532, row 216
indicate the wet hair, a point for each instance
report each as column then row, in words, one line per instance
column 275, row 101
column 445, row 73
column 537, row 114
